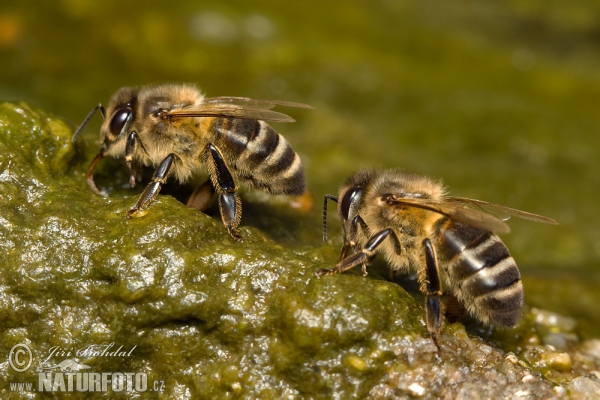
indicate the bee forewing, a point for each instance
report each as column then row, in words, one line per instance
column 457, row 212
column 227, row 110
column 253, row 103
column 502, row 211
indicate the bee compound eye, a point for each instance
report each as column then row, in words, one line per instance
column 118, row 121
column 351, row 197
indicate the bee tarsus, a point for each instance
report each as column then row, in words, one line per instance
column 230, row 205
column 153, row 188
column 433, row 291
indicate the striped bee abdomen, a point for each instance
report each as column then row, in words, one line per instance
column 260, row 155
column 485, row 276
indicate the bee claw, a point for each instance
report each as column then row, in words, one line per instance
column 324, row 271
column 235, row 234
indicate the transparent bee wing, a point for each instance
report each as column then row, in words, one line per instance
column 238, row 107
column 225, row 110
column 501, row 211
column 456, row 211
column 253, row 103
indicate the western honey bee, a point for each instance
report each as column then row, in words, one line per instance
column 450, row 245
column 178, row 131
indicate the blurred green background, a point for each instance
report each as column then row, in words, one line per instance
column 498, row 98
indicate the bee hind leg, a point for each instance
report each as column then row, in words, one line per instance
column 151, row 191
column 432, row 288
column 362, row 256
column 230, row 205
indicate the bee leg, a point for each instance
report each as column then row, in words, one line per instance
column 202, row 196
column 356, row 222
column 130, row 146
column 90, row 174
column 360, row 257
column 345, row 249
column 151, row 191
column 230, row 205
column 432, row 288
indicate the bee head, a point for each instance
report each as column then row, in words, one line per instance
column 349, row 204
column 351, row 194
column 120, row 114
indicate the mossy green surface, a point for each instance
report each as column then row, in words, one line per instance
column 203, row 315
column 499, row 99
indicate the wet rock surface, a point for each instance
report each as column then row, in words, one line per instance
column 169, row 294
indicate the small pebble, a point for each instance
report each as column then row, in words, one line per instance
column 527, row 378
column 560, row 391
column 584, row 388
column 416, row 389
column 357, row 362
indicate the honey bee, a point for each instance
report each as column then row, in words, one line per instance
column 176, row 130
column 450, row 245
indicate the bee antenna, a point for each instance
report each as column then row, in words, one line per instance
column 327, row 197
column 87, row 119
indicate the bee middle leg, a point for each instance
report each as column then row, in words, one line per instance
column 230, row 205
column 431, row 287
column 363, row 255
column 151, row 191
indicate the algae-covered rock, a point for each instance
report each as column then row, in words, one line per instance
column 172, row 297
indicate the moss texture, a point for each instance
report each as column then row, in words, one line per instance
column 211, row 318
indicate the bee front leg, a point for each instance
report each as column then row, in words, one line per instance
column 431, row 286
column 90, row 174
column 130, row 147
column 151, row 191
column 361, row 256
column 230, row 205
column 353, row 242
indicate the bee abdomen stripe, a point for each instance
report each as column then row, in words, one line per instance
column 257, row 148
column 504, row 306
column 234, row 133
column 280, row 160
column 240, row 133
column 458, row 236
column 261, row 145
column 284, row 170
column 485, row 251
column 293, row 186
column 492, row 278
